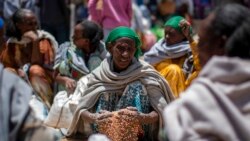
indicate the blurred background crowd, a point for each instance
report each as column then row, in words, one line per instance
column 58, row 17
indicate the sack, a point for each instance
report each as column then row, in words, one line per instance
column 62, row 110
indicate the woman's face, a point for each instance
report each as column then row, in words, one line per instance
column 123, row 51
column 29, row 23
column 173, row 36
column 79, row 40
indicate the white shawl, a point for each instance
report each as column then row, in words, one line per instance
column 161, row 51
column 104, row 79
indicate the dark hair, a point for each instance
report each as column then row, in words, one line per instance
column 17, row 17
column 224, row 2
column 92, row 31
column 232, row 21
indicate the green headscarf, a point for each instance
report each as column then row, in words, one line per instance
column 174, row 22
column 123, row 31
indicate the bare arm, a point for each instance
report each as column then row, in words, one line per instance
column 69, row 83
column 144, row 118
column 185, row 26
column 99, row 118
column 149, row 118
column 89, row 117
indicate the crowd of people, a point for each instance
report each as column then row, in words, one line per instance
column 116, row 79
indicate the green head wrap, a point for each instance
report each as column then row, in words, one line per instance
column 121, row 32
column 174, row 23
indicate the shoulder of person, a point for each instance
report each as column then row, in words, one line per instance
column 14, row 83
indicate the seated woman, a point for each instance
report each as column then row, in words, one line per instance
column 122, row 94
column 30, row 53
column 216, row 105
column 80, row 57
column 17, row 118
column 169, row 54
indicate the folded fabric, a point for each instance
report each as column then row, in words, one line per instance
column 62, row 110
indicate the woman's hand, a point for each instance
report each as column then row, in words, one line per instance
column 130, row 112
column 70, row 84
column 100, row 118
column 103, row 117
column 185, row 27
column 32, row 35
column 143, row 118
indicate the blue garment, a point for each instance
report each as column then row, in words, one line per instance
column 134, row 95
column 10, row 6
column 1, row 23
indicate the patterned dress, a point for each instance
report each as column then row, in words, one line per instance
column 134, row 95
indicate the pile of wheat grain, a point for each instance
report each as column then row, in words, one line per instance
column 121, row 128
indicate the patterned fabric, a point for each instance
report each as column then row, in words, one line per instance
column 135, row 95
column 196, row 67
